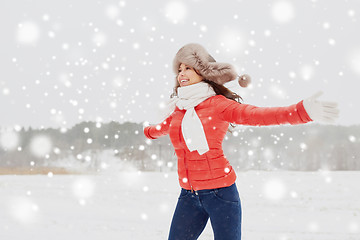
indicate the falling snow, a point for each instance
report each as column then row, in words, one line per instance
column 354, row 61
column 133, row 205
column 67, row 63
column 40, row 145
column 83, row 188
column 282, row 11
column 28, row 33
column 93, row 65
column 175, row 11
column 9, row 140
column 274, row 189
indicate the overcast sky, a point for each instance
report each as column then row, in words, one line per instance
column 63, row 62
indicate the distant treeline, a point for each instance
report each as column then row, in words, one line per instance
column 93, row 146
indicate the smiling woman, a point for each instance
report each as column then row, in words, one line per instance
column 199, row 115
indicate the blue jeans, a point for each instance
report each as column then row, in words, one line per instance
column 221, row 205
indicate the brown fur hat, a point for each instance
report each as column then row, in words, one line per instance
column 196, row 56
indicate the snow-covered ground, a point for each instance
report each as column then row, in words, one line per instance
column 276, row 206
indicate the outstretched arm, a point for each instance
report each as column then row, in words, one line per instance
column 155, row 131
column 245, row 114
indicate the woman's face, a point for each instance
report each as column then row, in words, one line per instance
column 187, row 75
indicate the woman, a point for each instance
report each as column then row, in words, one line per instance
column 198, row 119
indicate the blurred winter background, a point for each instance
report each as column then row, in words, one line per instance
column 79, row 79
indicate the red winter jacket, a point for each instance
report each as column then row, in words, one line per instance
column 212, row 169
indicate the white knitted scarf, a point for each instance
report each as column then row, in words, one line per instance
column 188, row 98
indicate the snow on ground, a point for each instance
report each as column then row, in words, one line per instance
column 276, row 206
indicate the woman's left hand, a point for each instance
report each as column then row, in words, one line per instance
column 321, row 111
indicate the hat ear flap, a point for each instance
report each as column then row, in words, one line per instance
column 219, row 72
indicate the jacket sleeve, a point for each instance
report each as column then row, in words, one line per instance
column 234, row 112
column 155, row 131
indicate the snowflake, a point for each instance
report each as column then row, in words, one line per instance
column 282, row 11
column 28, row 33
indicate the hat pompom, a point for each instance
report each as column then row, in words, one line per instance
column 244, row 80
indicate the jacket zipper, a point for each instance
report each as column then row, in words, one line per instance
column 185, row 163
column 187, row 171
